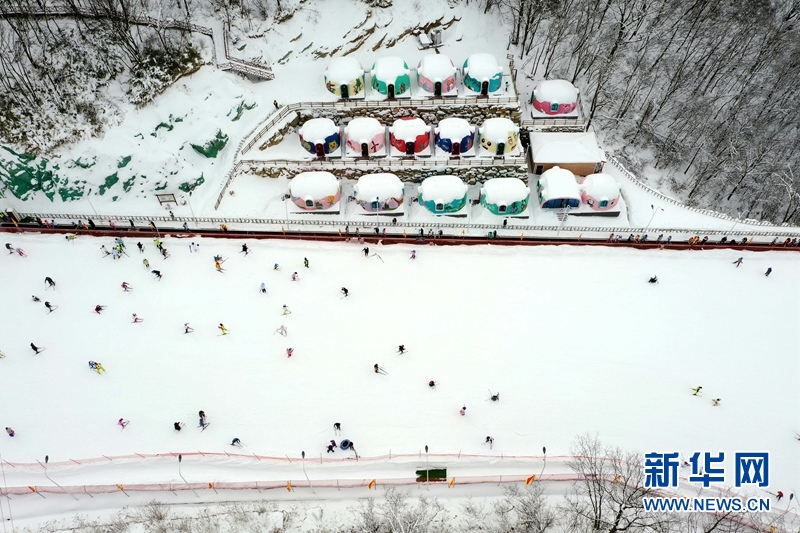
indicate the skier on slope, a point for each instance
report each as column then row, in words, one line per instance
column 345, row 292
column 245, row 249
column 401, row 349
column 305, row 262
column 123, row 423
column 289, row 352
column 294, row 276
column 49, row 282
column 50, row 307
column 696, row 390
column 738, row 262
column 177, row 425
column 126, row 286
column 10, row 431
column 366, row 251
column 187, row 328
column 35, row 348
column 10, row 248
column 99, row 308
column 432, row 384
column 222, row 328
column 140, row 246
column 413, row 255
column 136, row 319
column 146, row 263
column 653, row 279
column 202, row 415
column 35, row 298
column 157, row 274
column 263, row 288
column 463, row 410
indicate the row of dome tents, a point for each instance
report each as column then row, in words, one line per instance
column 447, row 195
column 366, row 136
column 436, row 76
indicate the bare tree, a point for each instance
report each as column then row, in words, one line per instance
column 609, row 496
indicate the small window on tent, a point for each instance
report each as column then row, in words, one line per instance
column 603, row 203
column 554, row 107
column 439, row 207
column 502, row 208
column 309, row 203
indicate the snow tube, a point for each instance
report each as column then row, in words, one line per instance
column 345, row 444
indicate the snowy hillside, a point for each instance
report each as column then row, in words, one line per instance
column 574, row 339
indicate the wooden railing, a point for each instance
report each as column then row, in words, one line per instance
column 231, row 63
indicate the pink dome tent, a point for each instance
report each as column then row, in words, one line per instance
column 365, row 136
column 436, row 75
column 555, row 97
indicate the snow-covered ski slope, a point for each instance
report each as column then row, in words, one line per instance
column 575, row 340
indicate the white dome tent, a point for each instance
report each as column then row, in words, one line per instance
column 380, row 194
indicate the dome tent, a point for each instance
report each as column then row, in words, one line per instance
column 601, row 192
column 365, row 135
column 555, row 97
column 409, row 135
column 377, row 193
column 312, row 191
column 391, row 76
column 320, row 136
column 558, row 189
column 505, row 196
column 442, row 194
column 482, row 74
column 455, row 135
column 436, row 75
column 344, row 77
column 499, row 136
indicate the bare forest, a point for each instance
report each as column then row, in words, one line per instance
column 705, row 92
